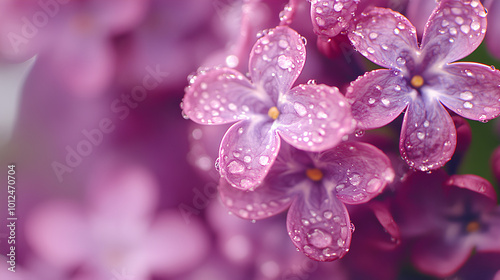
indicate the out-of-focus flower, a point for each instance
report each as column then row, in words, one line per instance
column 493, row 34
column 118, row 233
column 480, row 266
column 315, row 187
column 310, row 117
column 421, row 79
column 73, row 39
column 446, row 218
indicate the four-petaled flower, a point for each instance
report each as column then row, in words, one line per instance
column 446, row 218
column 309, row 117
column 315, row 187
column 421, row 78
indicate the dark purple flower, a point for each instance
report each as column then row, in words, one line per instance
column 315, row 187
column 446, row 218
column 421, row 79
column 310, row 117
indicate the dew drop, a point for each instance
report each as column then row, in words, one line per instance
column 465, row 28
column 352, row 227
column 466, row 95
column 235, row 167
column 217, row 164
column 355, row 179
column 468, row 105
column 311, row 82
column 184, row 115
column 283, row 43
column 264, row 160
column 321, row 115
column 475, row 25
column 338, row 6
column 284, row 62
column 328, row 214
column 396, row 31
column 459, row 20
column 300, row 109
column 373, row 35
column 359, row 133
column 247, row 159
column 320, row 239
column 305, row 222
column 421, row 135
column 385, row 101
column 374, row 185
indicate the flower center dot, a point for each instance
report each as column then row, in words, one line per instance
column 473, row 226
column 417, row 81
column 314, row 174
column 273, row 113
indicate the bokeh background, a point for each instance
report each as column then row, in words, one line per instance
column 113, row 183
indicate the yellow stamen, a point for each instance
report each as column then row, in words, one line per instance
column 273, row 113
column 417, row 81
column 314, row 174
column 473, row 226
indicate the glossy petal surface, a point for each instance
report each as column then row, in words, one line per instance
column 247, row 151
column 385, row 37
column 319, row 226
column 224, row 95
column 356, row 172
column 454, row 30
column 428, row 136
column 378, row 97
column 263, row 202
column 470, row 90
column 314, row 117
column 276, row 61
column 330, row 17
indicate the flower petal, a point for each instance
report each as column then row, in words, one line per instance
column 222, row 95
column 470, row 90
column 276, row 61
column 329, row 17
column 473, row 183
column 356, row 172
column 385, row 37
column 267, row 200
column 314, row 117
column 454, row 30
column 378, row 97
column 493, row 34
column 433, row 256
column 247, row 152
column 319, row 226
column 428, row 136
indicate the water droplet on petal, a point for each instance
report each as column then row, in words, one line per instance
column 285, row 62
column 338, row 6
column 300, row 109
column 355, row 179
column 264, row 160
column 466, row 95
column 352, row 227
column 235, row 167
column 421, row 135
column 319, row 238
column 359, row 133
column 311, row 82
column 217, row 164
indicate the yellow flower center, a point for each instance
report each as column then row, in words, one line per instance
column 273, row 113
column 314, row 174
column 473, row 227
column 417, row 81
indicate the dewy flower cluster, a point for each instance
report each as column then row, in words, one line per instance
column 291, row 146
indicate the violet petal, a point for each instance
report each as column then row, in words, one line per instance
column 473, row 183
column 385, row 37
column 319, row 226
column 469, row 89
column 276, row 61
column 428, row 136
column 247, row 152
column 329, row 17
column 378, row 97
column 356, row 172
column 219, row 96
column 263, row 202
column 314, row 117
column 454, row 30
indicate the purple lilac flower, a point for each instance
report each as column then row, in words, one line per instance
column 315, row 187
column 493, row 34
column 445, row 218
column 330, row 17
column 421, row 79
column 310, row 117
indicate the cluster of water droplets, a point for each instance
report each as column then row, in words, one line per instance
column 332, row 16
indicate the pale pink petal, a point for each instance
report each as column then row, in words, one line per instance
column 319, row 226
column 454, row 30
column 356, row 172
column 276, row 61
column 385, row 37
column 248, row 151
column 428, row 136
column 329, row 17
column 222, row 95
column 314, row 117
column 469, row 89
column 173, row 246
column 57, row 232
column 378, row 97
